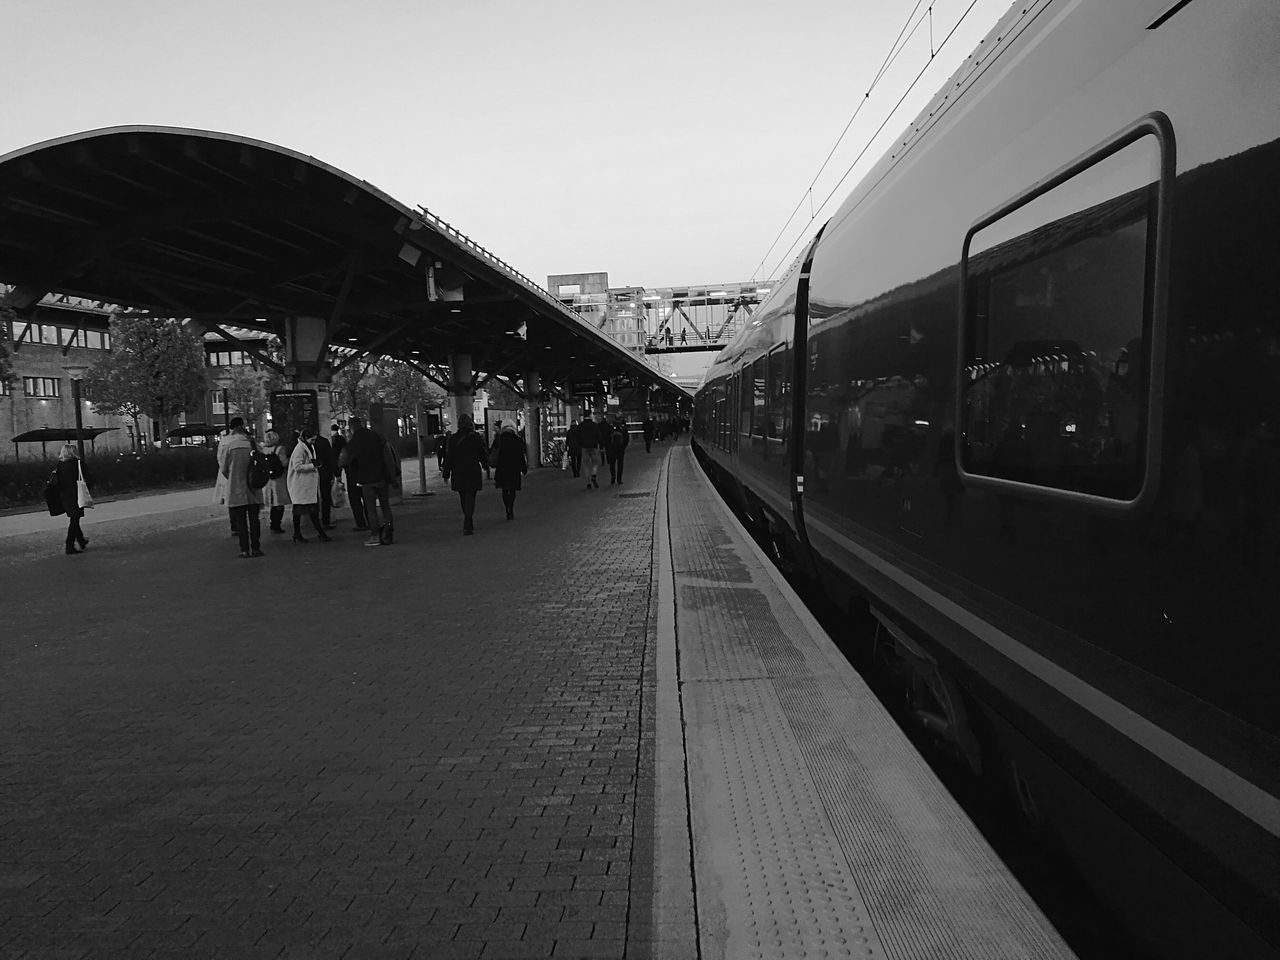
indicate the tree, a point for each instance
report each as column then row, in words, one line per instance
column 352, row 391
column 155, row 367
column 249, row 392
column 400, row 384
column 502, row 396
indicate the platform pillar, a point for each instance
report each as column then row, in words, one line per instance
column 306, row 362
column 461, row 395
column 533, row 418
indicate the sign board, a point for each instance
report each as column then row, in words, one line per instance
column 587, row 388
column 292, row 410
column 493, row 417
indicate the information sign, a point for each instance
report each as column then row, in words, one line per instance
column 292, row 410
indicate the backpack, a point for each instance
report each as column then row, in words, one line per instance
column 390, row 461
column 260, row 468
column 275, row 468
column 617, row 439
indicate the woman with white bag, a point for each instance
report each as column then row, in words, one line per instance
column 73, row 488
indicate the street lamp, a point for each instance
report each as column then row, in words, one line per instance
column 76, row 372
column 224, row 381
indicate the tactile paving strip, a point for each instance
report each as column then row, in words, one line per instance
column 771, row 883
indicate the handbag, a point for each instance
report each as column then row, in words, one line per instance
column 338, row 494
column 53, row 495
column 83, row 497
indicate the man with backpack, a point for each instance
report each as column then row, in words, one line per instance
column 615, row 447
column 243, row 481
column 589, row 439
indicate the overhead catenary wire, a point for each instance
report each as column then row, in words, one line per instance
column 933, row 52
column 898, row 44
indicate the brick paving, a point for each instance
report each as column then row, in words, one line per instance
column 433, row 750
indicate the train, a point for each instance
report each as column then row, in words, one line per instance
column 1015, row 408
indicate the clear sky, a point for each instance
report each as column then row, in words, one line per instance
column 663, row 141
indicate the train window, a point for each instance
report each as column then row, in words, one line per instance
column 779, row 399
column 1058, row 329
column 745, row 401
column 758, row 382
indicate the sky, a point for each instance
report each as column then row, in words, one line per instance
column 664, row 142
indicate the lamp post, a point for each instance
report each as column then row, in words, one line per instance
column 76, row 372
column 223, row 382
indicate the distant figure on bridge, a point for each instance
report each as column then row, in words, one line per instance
column 671, row 338
column 684, row 336
column 708, row 336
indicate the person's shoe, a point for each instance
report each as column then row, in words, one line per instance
column 468, row 533
column 511, row 514
column 83, row 543
column 595, row 483
column 256, row 553
column 619, row 481
column 299, row 538
column 329, row 526
column 374, row 541
column 277, row 529
column 386, row 534
column 588, row 484
column 244, row 556
column 323, row 537
column 72, row 551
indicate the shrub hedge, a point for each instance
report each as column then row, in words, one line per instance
column 22, row 481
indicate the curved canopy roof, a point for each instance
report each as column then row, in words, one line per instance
column 225, row 229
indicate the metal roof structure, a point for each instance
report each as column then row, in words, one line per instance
column 222, row 229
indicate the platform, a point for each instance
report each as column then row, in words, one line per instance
column 605, row 729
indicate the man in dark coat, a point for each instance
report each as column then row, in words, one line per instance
column 464, row 460
column 573, row 446
column 616, row 438
column 589, row 437
column 326, row 464
column 649, row 428
column 339, row 443
column 368, row 467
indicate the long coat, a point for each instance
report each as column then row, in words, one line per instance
column 303, row 477
column 464, row 460
column 233, row 465
column 276, row 492
column 68, row 475
column 512, row 461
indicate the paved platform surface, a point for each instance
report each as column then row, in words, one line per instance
column 425, row 750
column 603, row 730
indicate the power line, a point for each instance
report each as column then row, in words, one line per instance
column 890, row 57
column 870, row 140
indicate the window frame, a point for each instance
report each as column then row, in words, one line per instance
column 1156, row 125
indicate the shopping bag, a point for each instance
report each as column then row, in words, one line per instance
column 83, row 497
column 338, row 494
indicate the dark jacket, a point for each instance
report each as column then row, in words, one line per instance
column 326, row 459
column 573, row 439
column 464, row 460
column 614, row 450
column 364, row 450
column 67, row 490
column 589, row 434
column 512, row 461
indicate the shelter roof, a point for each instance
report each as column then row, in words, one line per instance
column 223, row 229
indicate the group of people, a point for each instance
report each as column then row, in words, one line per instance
column 591, row 444
column 304, row 481
column 466, row 457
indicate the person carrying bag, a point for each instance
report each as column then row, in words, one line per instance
column 74, row 496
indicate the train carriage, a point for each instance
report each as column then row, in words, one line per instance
column 1020, row 400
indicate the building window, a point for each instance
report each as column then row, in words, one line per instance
column 1057, row 330
column 41, row 386
column 6, row 390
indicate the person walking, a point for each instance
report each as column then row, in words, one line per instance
column 339, row 443
column 464, row 459
column 243, row 501
column 326, row 463
column 367, row 456
column 511, row 463
column 304, row 486
column 275, row 495
column 615, row 450
column 589, row 437
column 649, row 428
column 69, row 472
column 573, row 446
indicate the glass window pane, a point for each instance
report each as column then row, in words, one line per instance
column 1056, row 329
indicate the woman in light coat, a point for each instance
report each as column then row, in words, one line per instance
column 304, row 486
column 276, row 493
